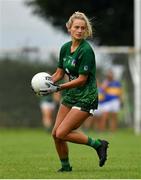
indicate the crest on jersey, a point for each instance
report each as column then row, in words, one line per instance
column 86, row 68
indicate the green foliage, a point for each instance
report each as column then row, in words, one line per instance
column 112, row 19
column 30, row 154
column 18, row 105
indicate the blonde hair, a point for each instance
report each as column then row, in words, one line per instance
column 82, row 16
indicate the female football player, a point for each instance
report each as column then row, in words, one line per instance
column 80, row 97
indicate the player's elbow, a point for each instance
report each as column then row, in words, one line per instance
column 82, row 83
column 82, row 80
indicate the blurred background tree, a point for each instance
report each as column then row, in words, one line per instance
column 113, row 26
column 111, row 18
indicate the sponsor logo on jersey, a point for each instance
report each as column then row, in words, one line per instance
column 73, row 62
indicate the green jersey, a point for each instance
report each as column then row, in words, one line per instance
column 81, row 61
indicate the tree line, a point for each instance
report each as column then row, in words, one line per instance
column 112, row 19
column 18, row 104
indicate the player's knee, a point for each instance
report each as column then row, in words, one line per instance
column 60, row 134
column 53, row 134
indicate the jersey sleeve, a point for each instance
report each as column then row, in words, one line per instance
column 87, row 61
column 61, row 56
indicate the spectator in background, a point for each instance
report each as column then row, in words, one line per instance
column 110, row 106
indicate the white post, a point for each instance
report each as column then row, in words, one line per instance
column 137, row 44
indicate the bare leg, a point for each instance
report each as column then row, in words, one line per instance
column 64, row 131
column 103, row 121
column 97, row 122
column 61, row 145
column 72, row 121
column 89, row 123
column 113, row 122
column 47, row 117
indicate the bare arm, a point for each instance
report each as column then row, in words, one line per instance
column 80, row 81
column 104, row 85
column 58, row 75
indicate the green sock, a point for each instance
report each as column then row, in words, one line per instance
column 93, row 143
column 65, row 163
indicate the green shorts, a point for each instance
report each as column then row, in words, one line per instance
column 87, row 107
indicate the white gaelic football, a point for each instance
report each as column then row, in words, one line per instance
column 41, row 82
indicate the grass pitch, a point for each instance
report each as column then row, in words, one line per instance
column 30, row 154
